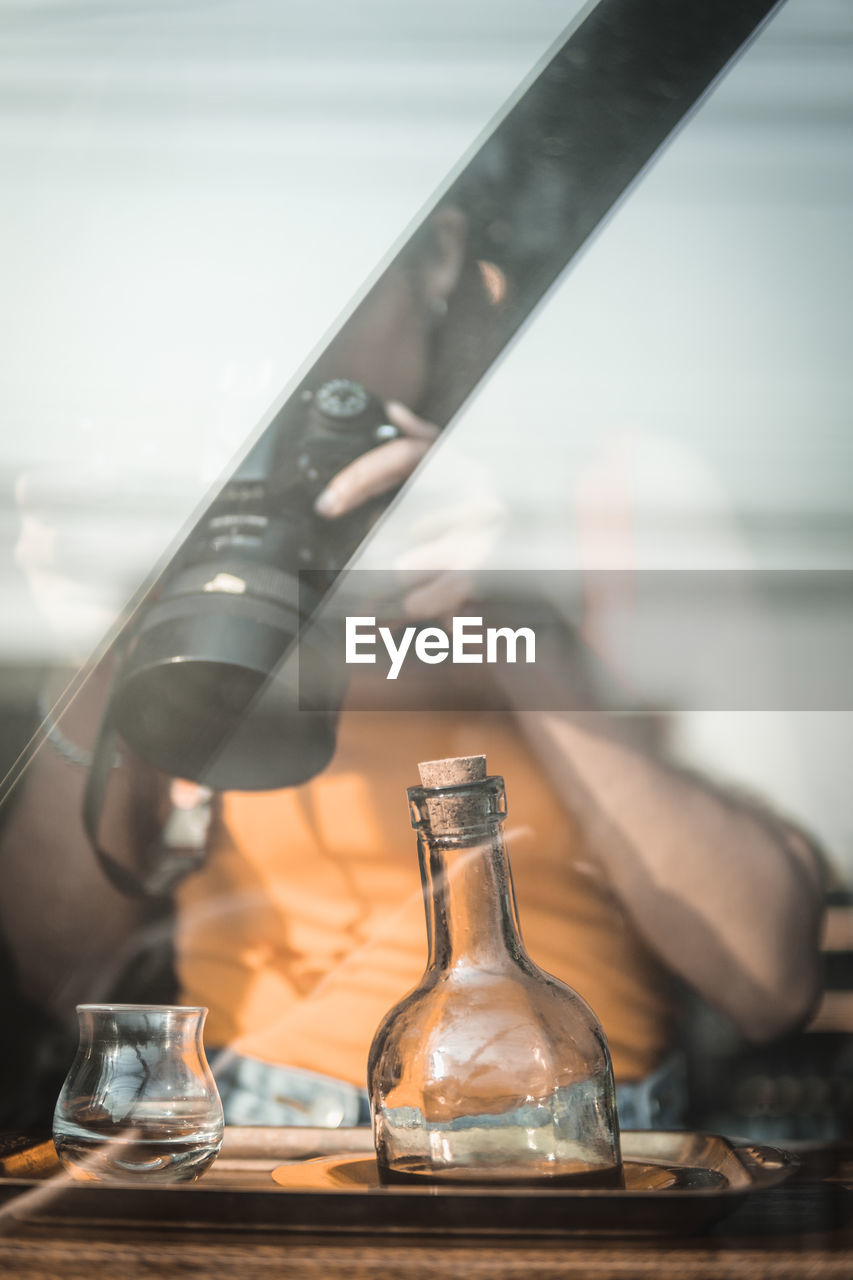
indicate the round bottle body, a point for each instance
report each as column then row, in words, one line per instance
column 494, row 1077
column 490, row 1070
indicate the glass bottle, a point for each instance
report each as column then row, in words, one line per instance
column 139, row 1101
column 490, row 1070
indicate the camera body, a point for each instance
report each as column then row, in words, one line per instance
column 201, row 691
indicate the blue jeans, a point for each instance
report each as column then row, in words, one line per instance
column 262, row 1093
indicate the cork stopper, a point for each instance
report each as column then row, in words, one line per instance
column 454, row 772
column 447, row 813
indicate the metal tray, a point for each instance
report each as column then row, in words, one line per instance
column 306, row 1179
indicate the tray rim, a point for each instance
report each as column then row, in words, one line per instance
column 763, row 1166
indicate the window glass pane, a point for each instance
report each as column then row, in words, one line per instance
column 683, row 397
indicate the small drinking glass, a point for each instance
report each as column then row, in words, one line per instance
column 139, row 1102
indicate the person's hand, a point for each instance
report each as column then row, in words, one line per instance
column 442, row 550
column 68, row 568
column 88, row 535
column 379, row 470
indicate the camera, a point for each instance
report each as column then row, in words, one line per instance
column 201, row 691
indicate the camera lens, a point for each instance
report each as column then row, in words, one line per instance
column 208, row 689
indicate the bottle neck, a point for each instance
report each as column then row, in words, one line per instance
column 470, row 902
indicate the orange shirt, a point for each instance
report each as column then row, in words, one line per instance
column 307, row 924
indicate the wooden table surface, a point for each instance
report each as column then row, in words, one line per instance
column 802, row 1230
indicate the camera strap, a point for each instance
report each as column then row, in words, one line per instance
column 181, row 844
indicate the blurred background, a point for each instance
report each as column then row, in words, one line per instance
column 196, row 192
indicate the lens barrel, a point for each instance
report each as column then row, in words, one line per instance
column 208, row 689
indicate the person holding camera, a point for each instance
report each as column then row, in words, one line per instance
column 300, row 921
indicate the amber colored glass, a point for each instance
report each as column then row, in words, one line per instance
column 490, row 1069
